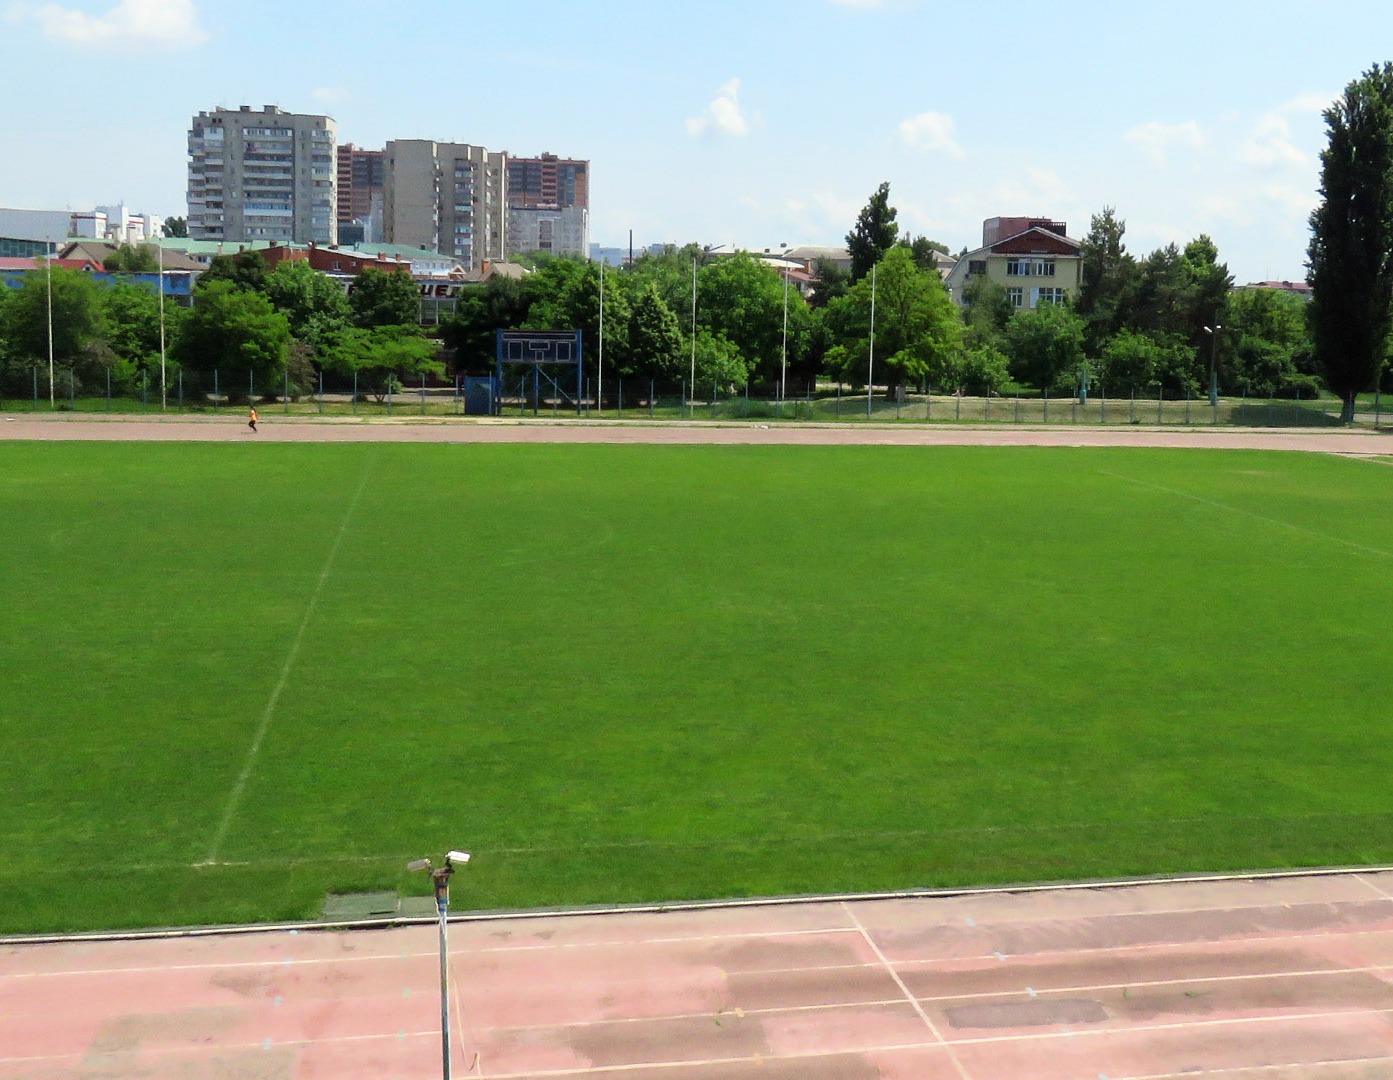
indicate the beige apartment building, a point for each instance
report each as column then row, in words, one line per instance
column 446, row 197
column 1031, row 258
column 262, row 175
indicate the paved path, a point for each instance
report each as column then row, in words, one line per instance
column 348, row 429
column 1244, row 980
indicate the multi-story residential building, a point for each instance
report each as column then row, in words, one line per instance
column 548, row 205
column 360, row 194
column 1031, row 258
column 267, row 175
column 446, row 197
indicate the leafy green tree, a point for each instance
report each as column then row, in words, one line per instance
column 923, row 250
column 1130, row 360
column 917, row 326
column 743, row 301
column 832, row 282
column 985, row 369
column 130, row 259
column 874, row 233
column 1210, row 287
column 76, row 322
column 987, row 311
column 1266, row 343
column 483, row 310
column 1351, row 250
column 379, row 298
column 237, row 333
column 132, row 334
column 176, row 226
column 1107, row 280
column 1046, row 345
column 565, row 295
column 655, row 345
column 313, row 303
column 245, row 270
column 385, row 357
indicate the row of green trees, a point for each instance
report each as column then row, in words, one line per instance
column 261, row 331
column 1155, row 323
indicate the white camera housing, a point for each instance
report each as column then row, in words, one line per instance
column 457, row 857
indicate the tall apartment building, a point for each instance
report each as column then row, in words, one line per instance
column 548, row 205
column 267, row 175
column 446, row 197
column 361, row 193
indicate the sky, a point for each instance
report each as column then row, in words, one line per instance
column 757, row 123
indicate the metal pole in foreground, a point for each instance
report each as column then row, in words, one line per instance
column 440, row 877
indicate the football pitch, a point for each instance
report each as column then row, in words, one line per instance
column 235, row 678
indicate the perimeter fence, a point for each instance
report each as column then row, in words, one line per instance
column 621, row 400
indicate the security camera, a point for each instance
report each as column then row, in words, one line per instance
column 457, row 857
column 418, row 864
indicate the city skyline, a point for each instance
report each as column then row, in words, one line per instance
column 752, row 125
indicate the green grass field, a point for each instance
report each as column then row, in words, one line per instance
column 234, row 678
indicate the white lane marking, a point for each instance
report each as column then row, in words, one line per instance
column 234, row 799
column 1316, row 533
column 918, row 1008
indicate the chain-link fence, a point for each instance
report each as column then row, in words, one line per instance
column 649, row 400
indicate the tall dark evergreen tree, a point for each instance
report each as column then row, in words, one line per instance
column 874, row 233
column 1351, row 252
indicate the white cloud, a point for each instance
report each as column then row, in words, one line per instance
column 1156, row 140
column 1032, row 187
column 723, row 116
column 931, row 131
column 1270, row 144
column 170, row 24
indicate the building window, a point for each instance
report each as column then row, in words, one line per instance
column 1016, row 295
column 1017, row 267
column 1049, row 296
column 976, row 267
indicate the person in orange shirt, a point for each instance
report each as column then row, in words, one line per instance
column 251, row 418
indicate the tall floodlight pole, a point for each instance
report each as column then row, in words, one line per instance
column 440, row 877
column 1213, row 332
column 164, row 383
column 48, row 262
column 691, row 389
column 870, row 366
column 600, row 363
column 783, row 363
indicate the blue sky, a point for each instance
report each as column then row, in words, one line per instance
column 754, row 123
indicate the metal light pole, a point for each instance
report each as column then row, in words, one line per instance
column 600, row 363
column 783, row 351
column 164, row 383
column 870, row 367
column 691, row 388
column 1213, row 332
column 441, row 878
column 48, row 262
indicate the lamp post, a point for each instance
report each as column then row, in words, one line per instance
column 870, row 364
column 1213, row 332
column 783, row 351
column 164, row 383
column 440, row 876
column 48, row 262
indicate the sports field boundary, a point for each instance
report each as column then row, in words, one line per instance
column 679, row 906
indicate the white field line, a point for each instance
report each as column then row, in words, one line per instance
column 234, row 798
column 895, row 975
column 1250, row 514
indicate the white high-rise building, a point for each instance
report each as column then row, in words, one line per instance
column 446, row 197
column 268, row 175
